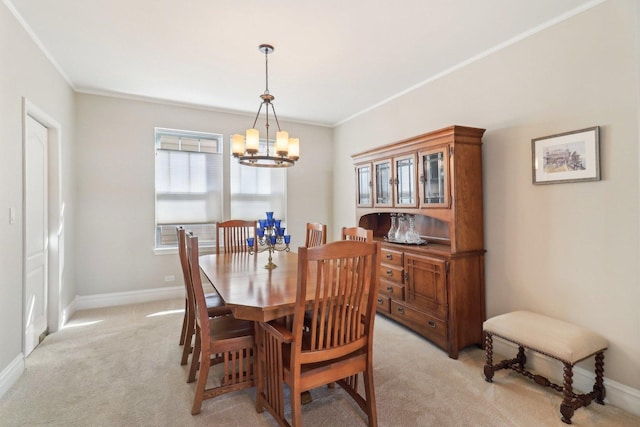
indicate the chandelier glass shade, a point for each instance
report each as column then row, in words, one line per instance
column 247, row 148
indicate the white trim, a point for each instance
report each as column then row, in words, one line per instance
column 617, row 394
column 131, row 297
column 478, row 57
column 37, row 41
column 11, row 374
column 186, row 104
column 55, row 210
column 68, row 312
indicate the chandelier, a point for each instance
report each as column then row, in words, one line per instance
column 284, row 153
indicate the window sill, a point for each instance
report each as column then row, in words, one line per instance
column 203, row 250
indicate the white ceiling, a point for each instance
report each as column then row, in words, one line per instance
column 333, row 59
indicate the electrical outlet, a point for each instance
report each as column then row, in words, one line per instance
column 170, row 278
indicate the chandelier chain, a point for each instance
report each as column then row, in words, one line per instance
column 266, row 70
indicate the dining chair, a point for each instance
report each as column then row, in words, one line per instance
column 357, row 233
column 341, row 278
column 235, row 233
column 224, row 340
column 316, row 234
column 215, row 305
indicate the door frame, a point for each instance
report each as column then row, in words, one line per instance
column 55, row 213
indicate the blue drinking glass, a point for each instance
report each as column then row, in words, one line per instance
column 287, row 238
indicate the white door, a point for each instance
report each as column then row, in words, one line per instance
column 36, row 232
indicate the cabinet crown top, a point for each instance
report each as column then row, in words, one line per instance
column 460, row 134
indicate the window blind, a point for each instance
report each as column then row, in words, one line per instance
column 188, row 184
column 254, row 191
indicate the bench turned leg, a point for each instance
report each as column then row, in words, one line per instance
column 567, row 408
column 488, row 348
column 521, row 358
column 598, row 387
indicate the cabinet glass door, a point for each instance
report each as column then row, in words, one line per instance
column 405, row 181
column 363, row 185
column 434, row 177
column 383, row 183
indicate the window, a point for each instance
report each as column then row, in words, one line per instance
column 254, row 191
column 189, row 178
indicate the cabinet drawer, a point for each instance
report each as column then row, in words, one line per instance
column 431, row 327
column 383, row 304
column 391, row 257
column 392, row 290
column 394, row 274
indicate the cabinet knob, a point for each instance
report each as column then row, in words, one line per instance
column 400, row 310
column 431, row 323
column 390, row 289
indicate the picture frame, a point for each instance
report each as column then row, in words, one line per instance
column 566, row 157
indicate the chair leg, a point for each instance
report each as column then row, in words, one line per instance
column 195, row 359
column 296, row 407
column 201, row 385
column 188, row 341
column 370, row 394
column 257, row 367
column 183, row 334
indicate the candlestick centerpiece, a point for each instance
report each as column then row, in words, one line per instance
column 271, row 238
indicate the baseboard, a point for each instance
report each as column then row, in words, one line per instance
column 124, row 298
column 10, row 375
column 618, row 395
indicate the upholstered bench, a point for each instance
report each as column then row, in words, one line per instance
column 557, row 339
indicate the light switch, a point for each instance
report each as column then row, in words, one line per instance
column 12, row 216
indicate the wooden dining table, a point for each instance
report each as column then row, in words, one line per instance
column 253, row 292
column 250, row 290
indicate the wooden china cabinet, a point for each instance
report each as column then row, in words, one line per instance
column 436, row 286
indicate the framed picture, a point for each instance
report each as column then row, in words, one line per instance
column 566, row 157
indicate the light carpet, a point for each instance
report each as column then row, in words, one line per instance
column 120, row 366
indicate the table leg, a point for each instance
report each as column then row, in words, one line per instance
column 305, row 397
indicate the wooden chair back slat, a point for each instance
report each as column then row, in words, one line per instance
column 235, row 233
column 343, row 304
column 316, row 234
column 357, row 233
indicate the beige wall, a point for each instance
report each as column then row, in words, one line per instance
column 115, row 189
column 25, row 72
column 566, row 250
